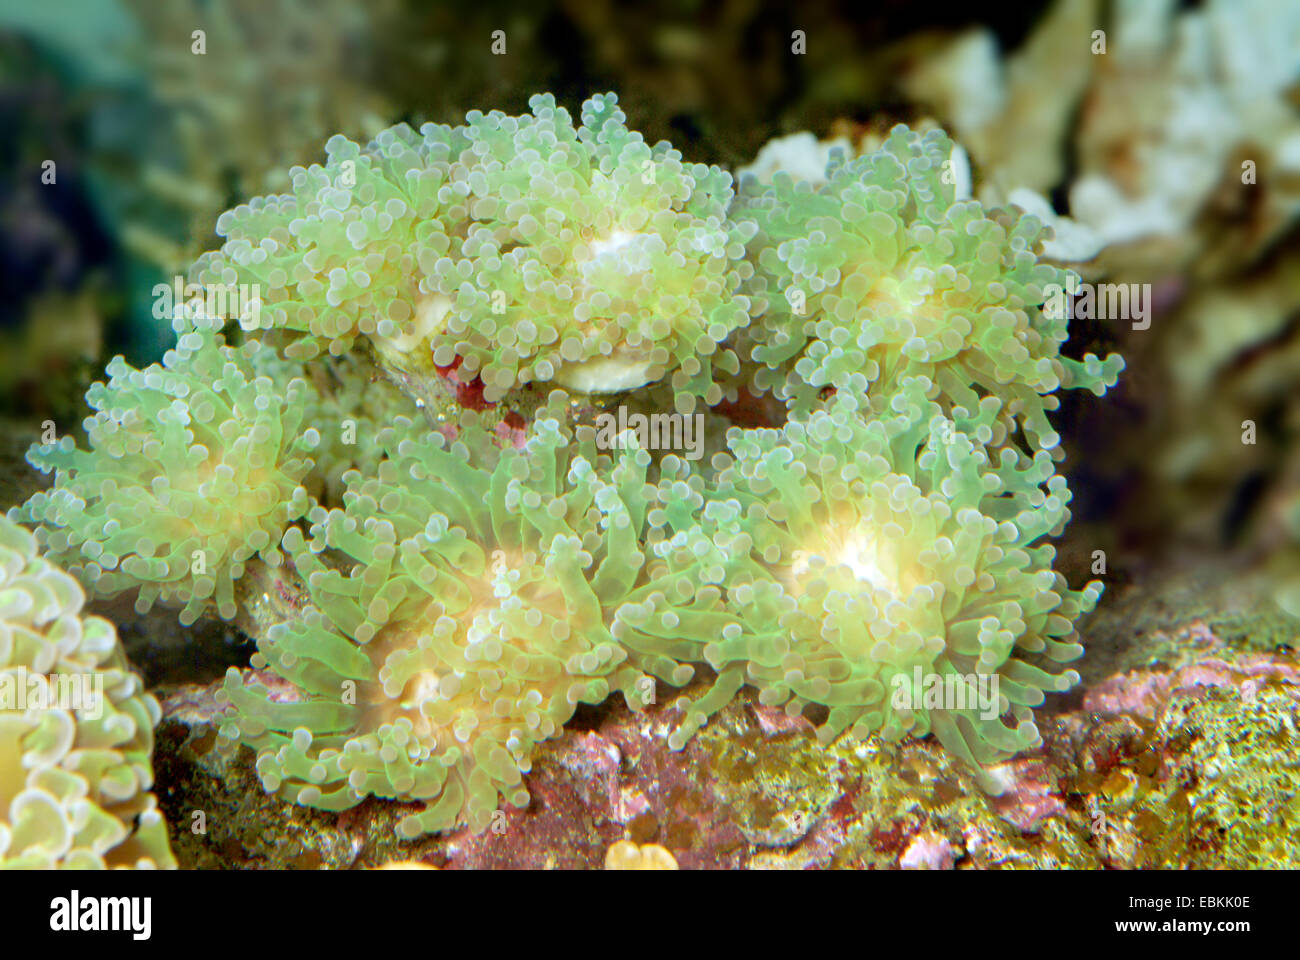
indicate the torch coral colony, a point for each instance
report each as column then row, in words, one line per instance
column 465, row 594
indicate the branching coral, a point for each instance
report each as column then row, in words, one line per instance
column 1176, row 155
column 74, row 769
column 521, row 247
column 194, row 467
column 881, row 272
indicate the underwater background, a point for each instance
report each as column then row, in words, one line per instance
column 1160, row 142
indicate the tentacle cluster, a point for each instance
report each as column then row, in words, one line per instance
column 76, row 728
column 529, row 249
column 867, row 562
column 465, row 602
column 882, row 554
column 881, row 272
column 194, row 467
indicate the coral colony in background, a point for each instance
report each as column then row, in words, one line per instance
column 73, row 782
column 452, row 391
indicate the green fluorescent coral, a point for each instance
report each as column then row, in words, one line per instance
column 194, row 467
column 468, row 578
column 860, row 555
column 523, row 248
column 76, row 728
column 462, row 612
column 883, row 273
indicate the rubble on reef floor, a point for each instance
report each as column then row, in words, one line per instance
column 1183, row 762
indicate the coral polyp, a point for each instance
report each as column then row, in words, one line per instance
column 194, row 468
column 884, row 568
column 617, row 260
column 461, row 613
column 76, row 728
column 522, row 248
column 882, row 272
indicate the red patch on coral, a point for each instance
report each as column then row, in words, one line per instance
column 774, row 722
column 469, row 393
column 748, row 410
column 513, row 429
column 1142, row 693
